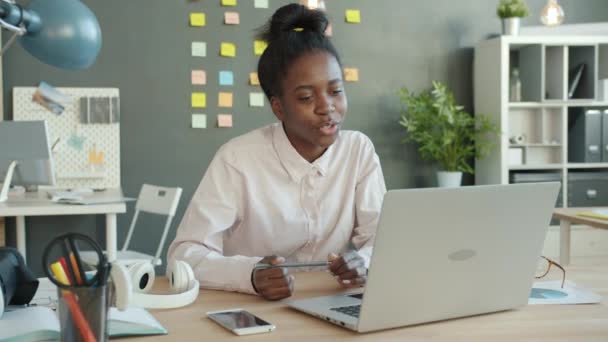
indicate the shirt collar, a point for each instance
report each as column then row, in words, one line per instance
column 295, row 165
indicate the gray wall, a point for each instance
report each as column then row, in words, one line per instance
column 146, row 54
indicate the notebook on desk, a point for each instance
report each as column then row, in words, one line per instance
column 70, row 197
column 17, row 325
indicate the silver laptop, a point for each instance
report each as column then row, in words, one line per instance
column 446, row 253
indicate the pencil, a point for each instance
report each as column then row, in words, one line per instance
column 295, row 264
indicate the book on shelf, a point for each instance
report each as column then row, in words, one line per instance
column 40, row 323
column 600, row 214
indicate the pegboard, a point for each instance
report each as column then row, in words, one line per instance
column 85, row 155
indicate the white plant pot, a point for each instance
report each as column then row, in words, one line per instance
column 510, row 26
column 449, row 179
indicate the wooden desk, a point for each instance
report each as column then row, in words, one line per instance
column 38, row 204
column 567, row 216
column 533, row 322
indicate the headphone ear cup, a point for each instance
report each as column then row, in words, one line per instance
column 142, row 276
column 181, row 275
column 122, row 286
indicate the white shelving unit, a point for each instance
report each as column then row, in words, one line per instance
column 546, row 65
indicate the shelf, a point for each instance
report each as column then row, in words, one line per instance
column 537, row 167
column 559, row 103
column 587, row 165
column 535, row 145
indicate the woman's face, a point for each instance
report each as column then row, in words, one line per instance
column 312, row 104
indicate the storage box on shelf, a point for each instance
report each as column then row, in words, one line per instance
column 540, row 110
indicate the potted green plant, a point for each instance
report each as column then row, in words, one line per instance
column 511, row 12
column 444, row 132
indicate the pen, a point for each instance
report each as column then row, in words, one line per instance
column 295, row 264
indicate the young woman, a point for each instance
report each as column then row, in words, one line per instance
column 299, row 190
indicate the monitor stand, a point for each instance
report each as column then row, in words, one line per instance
column 7, row 181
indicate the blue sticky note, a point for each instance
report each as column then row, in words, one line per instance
column 226, row 78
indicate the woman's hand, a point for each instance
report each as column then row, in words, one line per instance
column 349, row 269
column 272, row 283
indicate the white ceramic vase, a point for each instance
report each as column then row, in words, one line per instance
column 449, row 179
column 510, row 26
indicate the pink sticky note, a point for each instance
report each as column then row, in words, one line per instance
column 199, row 77
column 232, row 18
column 224, row 120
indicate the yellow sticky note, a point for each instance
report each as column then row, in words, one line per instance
column 197, row 19
column 228, row 49
column 353, row 16
column 232, row 18
column 351, row 74
column 228, row 2
column 224, row 120
column 224, row 100
column 259, row 46
column 199, row 100
column 199, row 121
column 253, row 78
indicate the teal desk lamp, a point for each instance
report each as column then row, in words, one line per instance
column 61, row 33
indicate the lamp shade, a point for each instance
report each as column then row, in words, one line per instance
column 68, row 35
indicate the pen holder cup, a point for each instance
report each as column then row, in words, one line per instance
column 83, row 313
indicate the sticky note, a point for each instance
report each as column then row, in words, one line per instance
column 199, row 77
column 259, row 46
column 199, row 49
column 260, row 4
column 232, row 18
column 226, row 78
column 224, row 100
column 253, row 78
column 353, row 16
column 197, row 19
column 228, row 2
column 329, row 31
column 256, row 99
column 199, row 100
column 199, row 121
column 351, row 74
column 224, row 120
column 228, row 49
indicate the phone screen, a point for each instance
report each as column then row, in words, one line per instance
column 238, row 319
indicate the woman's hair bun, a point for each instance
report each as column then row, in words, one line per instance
column 291, row 18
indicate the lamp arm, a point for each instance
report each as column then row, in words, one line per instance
column 14, row 18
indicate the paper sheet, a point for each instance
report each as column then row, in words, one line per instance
column 353, row 16
column 550, row 292
column 225, row 100
column 197, row 19
column 199, row 49
column 199, row 121
column 259, row 46
column 228, row 49
column 232, row 18
column 199, row 100
column 226, row 78
column 260, row 4
column 256, row 99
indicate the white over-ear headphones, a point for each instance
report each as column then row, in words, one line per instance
column 132, row 281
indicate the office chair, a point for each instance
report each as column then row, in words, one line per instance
column 151, row 199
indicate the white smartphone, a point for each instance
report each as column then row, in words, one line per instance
column 240, row 322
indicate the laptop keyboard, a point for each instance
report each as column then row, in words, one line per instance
column 352, row 310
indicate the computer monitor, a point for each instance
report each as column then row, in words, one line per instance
column 25, row 155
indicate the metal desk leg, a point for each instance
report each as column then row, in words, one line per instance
column 111, row 237
column 20, row 225
column 564, row 242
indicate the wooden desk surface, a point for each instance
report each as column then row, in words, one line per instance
column 570, row 214
column 533, row 322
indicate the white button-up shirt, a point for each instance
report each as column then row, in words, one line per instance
column 259, row 197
